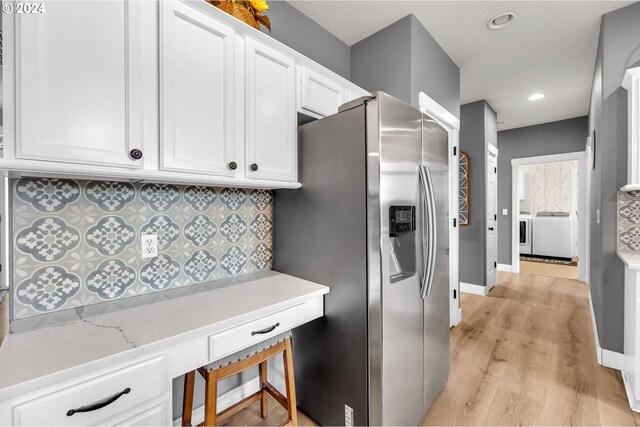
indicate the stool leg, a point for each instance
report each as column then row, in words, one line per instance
column 264, row 402
column 187, row 398
column 211, row 399
column 290, row 383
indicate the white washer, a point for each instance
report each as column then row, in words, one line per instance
column 552, row 236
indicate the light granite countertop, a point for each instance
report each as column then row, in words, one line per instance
column 48, row 345
column 630, row 258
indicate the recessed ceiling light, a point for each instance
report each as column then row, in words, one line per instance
column 502, row 20
column 537, row 96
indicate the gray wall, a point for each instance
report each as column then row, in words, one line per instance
column 565, row 136
column 617, row 49
column 294, row 29
column 477, row 130
column 404, row 59
column 382, row 60
column 432, row 71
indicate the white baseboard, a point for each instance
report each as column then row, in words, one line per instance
column 612, row 359
column 474, row 289
column 596, row 341
column 456, row 318
column 604, row 357
column 633, row 404
column 505, row 267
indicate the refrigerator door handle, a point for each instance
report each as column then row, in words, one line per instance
column 429, row 225
column 425, row 231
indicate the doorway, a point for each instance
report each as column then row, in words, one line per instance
column 548, row 220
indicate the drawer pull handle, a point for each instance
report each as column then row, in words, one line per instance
column 266, row 330
column 99, row 404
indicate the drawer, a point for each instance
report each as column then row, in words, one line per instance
column 144, row 380
column 151, row 417
column 235, row 339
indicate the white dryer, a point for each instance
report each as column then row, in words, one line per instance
column 552, row 235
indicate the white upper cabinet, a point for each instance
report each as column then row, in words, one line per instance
column 631, row 82
column 80, row 69
column 169, row 91
column 271, row 119
column 320, row 94
column 197, row 82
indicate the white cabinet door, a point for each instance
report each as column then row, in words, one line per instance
column 80, row 82
column 197, row 92
column 270, row 113
column 319, row 94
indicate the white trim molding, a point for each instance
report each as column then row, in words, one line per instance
column 604, row 357
column 594, row 329
column 452, row 124
column 631, row 83
column 505, row 267
column 612, row 359
column 470, row 288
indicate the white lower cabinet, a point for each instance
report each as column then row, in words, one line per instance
column 94, row 400
column 271, row 120
column 155, row 416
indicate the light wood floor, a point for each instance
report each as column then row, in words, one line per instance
column 555, row 270
column 525, row 355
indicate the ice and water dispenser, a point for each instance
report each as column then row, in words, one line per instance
column 402, row 229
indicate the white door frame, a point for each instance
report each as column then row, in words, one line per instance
column 588, row 159
column 492, row 150
column 452, row 124
column 515, row 206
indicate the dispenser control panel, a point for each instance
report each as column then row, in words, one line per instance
column 401, row 219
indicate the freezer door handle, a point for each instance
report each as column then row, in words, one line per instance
column 429, row 242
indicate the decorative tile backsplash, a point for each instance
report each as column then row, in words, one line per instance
column 628, row 236
column 548, row 186
column 78, row 242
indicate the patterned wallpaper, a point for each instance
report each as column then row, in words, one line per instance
column 548, row 186
column 77, row 243
column 628, row 236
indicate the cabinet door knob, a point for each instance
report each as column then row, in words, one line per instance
column 254, row 167
column 233, row 166
column 135, row 154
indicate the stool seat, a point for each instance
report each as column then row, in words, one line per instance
column 248, row 352
column 256, row 355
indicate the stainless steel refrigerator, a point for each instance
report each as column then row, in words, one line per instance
column 371, row 222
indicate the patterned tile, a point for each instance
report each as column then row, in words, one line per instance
column 111, row 235
column 48, row 289
column 111, row 279
column 110, row 196
column 47, row 239
column 48, row 195
column 628, row 227
column 77, row 242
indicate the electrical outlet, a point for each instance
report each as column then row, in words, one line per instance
column 348, row 416
column 149, row 245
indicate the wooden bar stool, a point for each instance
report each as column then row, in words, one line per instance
column 258, row 354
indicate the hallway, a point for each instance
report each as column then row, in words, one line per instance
column 525, row 355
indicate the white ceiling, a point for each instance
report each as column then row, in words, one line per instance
column 550, row 48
